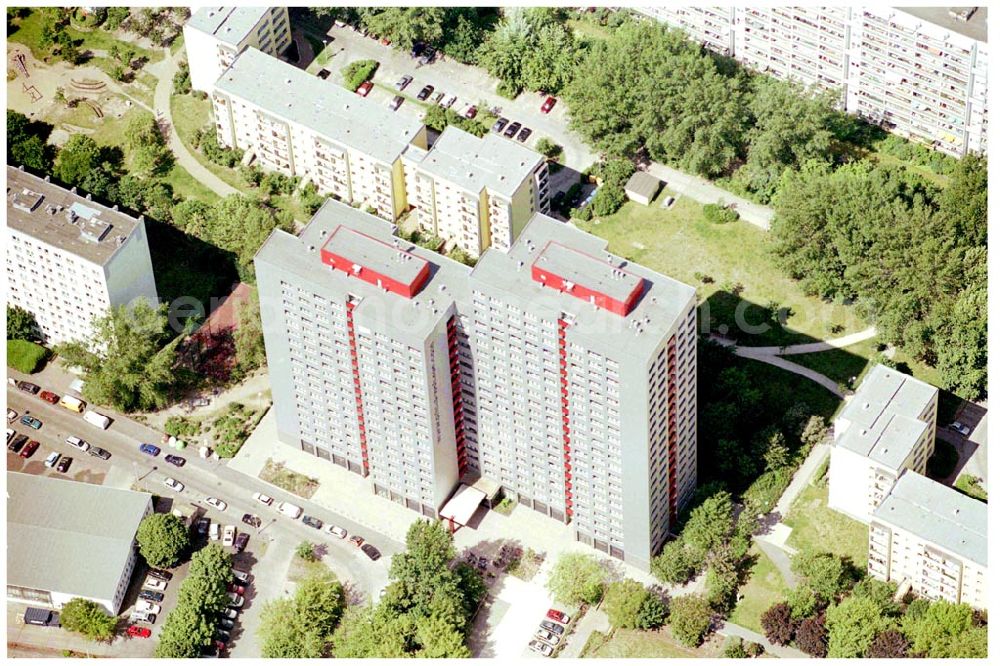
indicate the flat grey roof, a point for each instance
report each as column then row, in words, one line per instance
column 643, row 184
column 974, row 28
column 227, row 24
column 289, row 93
column 374, row 254
column 64, row 220
column 661, row 302
column 69, row 537
column 492, row 162
column 411, row 319
column 587, row 271
column 884, row 416
column 938, row 514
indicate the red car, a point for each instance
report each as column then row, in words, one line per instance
column 548, row 104
column 237, row 588
column 28, row 449
column 558, row 616
column 365, row 88
column 49, row 397
column 470, row 113
column 136, row 631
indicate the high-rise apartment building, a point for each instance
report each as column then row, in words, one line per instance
column 478, row 193
column 214, row 36
column 69, row 258
column 933, row 538
column 561, row 373
column 921, row 72
column 886, row 429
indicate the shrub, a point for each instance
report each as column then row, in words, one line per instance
column 675, row 564
column 614, row 172
column 810, row 636
column 182, row 79
column 26, row 357
column 608, row 199
column 889, row 644
column 690, row 619
column 358, row 72
column 548, row 147
column 180, row 427
column 719, row 214
column 584, row 213
column 210, row 148
column 306, row 551
column 629, row 605
column 577, row 578
column 733, row 649
column 777, row 623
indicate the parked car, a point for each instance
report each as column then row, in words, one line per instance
column 31, row 422
column 214, row 532
column 448, row 101
column 357, row 540
column 417, row 49
column 63, row 466
column 144, row 606
column 371, row 551
column 226, row 623
column 77, row 443
column 336, row 531
column 365, row 88
column 263, row 499
column 471, row 112
column 228, row 535
column 216, row 502
column 547, row 637
column 151, row 595
column 29, row 449
column 28, row 387
column 173, row 484
column 395, row 102
column 240, row 544
column 176, row 461
column 512, row 130
column 557, row 616
column 154, row 584
column 556, row 629
column 436, row 98
column 222, row 635
column 425, row 92
column 237, row 588
column 251, row 520
column 404, row 81
column 235, row 600
column 98, row 452
column 201, row 526
column 548, row 104
column 135, row 631
column 49, row 397
column 540, row 647
column 523, row 135
column 323, row 74
column 17, row 443
column 241, row 576
column 11, row 415
column 961, row 428
column 231, row 613
column 149, row 449
column 428, row 57
column 312, row 522
column 500, row 124
column 51, row 460
column 160, row 574
column 290, row 510
column 140, row 616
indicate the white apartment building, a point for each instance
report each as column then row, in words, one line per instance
column 214, row 36
column 70, row 259
column 556, row 372
column 886, row 429
column 920, row 72
column 932, row 538
column 477, row 193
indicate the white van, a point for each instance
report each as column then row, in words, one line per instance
column 290, row 509
column 73, row 404
column 99, row 420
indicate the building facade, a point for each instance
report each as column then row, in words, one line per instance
column 886, row 429
column 920, row 72
column 68, row 539
column 932, row 538
column 214, row 36
column 70, row 259
column 560, row 373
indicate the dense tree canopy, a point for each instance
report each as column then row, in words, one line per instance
column 21, row 324
column 202, row 595
column 88, row 618
column 162, row 538
column 577, row 578
column 301, row 627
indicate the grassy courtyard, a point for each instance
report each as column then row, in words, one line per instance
column 631, row 644
column 718, row 259
column 762, row 590
column 817, row 527
column 840, row 365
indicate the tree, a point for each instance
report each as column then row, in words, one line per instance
column 810, row 636
column 142, row 130
column 505, row 51
column 690, row 619
column 116, row 15
column 624, row 602
column 405, row 26
column 723, row 577
column 802, row 601
column 963, row 202
column 77, row 159
column 301, row 627
column 249, row 335
column 889, row 644
column 186, row 630
column 25, row 145
column 852, row 625
column 733, row 648
column 577, row 578
column 125, row 362
column 709, row 525
column 675, row 564
column 370, row 631
column 825, row 574
column 88, row 618
column 306, row 551
column 440, row 640
column 21, row 324
column 945, row 630
column 550, row 63
column 162, row 538
column 777, row 623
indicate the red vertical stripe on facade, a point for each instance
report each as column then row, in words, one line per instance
column 358, row 402
column 564, row 399
column 672, row 427
column 456, row 396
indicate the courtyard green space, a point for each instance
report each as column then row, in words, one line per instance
column 762, row 590
column 189, row 115
column 817, row 527
column 681, row 243
column 840, row 365
column 632, row 644
column 29, row 32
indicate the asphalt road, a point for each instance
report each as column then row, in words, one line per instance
column 201, row 478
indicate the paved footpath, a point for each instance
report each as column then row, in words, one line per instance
column 595, row 620
column 704, row 192
column 786, row 652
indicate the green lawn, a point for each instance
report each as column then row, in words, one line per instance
column 26, row 357
column 186, row 187
column 764, row 588
column 29, row 29
column 815, row 526
column 680, row 243
column 625, row 644
column 588, row 29
column 840, row 365
column 781, row 389
column 939, row 179
column 190, row 114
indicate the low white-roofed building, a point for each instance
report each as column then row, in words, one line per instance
column 934, row 538
column 67, row 539
column 886, row 428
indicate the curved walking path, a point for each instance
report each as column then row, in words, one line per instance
column 800, row 370
column 164, row 72
column 786, row 652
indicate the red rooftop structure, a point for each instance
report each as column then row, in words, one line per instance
column 376, row 262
